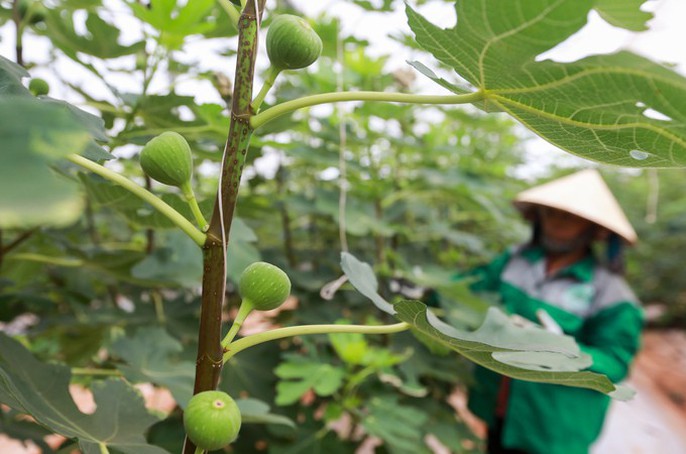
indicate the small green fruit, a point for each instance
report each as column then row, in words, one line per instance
column 167, row 158
column 292, row 43
column 264, row 286
column 212, row 420
column 39, row 87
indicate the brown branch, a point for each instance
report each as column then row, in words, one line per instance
column 17, row 19
column 210, row 352
column 16, row 242
column 285, row 218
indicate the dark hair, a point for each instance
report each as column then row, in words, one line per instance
column 615, row 254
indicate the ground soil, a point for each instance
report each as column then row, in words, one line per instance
column 654, row 422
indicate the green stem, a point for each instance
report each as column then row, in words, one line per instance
column 244, row 310
column 188, row 193
column 19, row 32
column 104, row 107
column 357, row 379
column 158, row 304
column 177, row 218
column 280, row 333
column 230, row 10
column 4, row 249
column 180, row 130
column 103, row 448
column 93, row 372
column 268, row 83
column 326, row 98
column 50, row 260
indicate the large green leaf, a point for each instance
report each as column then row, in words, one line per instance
column 251, row 373
column 100, row 40
column 106, row 194
column 150, row 357
column 94, row 125
column 624, row 13
column 299, row 375
column 177, row 262
column 42, row 391
column 14, row 425
column 11, row 85
column 175, row 22
column 10, row 78
column 35, row 135
column 241, row 249
column 523, row 352
column 311, row 437
column 399, row 426
column 620, row 109
column 255, row 411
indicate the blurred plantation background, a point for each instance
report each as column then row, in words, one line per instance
column 655, row 204
column 419, row 192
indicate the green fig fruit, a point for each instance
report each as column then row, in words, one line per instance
column 212, row 420
column 39, row 87
column 167, row 158
column 292, row 43
column 264, row 286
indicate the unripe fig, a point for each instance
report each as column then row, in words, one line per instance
column 264, row 286
column 292, row 43
column 39, row 87
column 212, row 420
column 167, row 158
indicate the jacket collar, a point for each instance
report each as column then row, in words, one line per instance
column 581, row 270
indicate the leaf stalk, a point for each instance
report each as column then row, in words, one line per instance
column 244, row 310
column 268, row 84
column 326, row 98
column 160, row 205
column 188, row 193
column 280, row 333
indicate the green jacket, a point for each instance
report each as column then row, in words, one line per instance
column 591, row 304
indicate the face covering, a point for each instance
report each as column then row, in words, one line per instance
column 557, row 247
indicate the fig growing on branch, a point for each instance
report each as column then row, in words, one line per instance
column 212, row 420
column 39, row 87
column 292, row 43
column 264, row 286
column 167, row 158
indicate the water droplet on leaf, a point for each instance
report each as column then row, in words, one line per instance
column 656, row 115
column 639, row 155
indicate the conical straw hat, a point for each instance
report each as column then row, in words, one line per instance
column 584, row 194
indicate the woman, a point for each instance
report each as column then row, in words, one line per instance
column 557, row 276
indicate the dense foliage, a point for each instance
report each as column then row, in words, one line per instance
column 96, row 281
